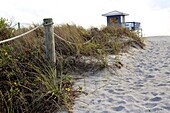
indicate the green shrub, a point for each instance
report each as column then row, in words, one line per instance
column 5, row 30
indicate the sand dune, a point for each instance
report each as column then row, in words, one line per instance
column 142, row 85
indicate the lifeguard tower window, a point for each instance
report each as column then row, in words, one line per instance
column 133, row 25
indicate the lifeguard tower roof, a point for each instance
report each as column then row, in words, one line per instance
column 115, row 13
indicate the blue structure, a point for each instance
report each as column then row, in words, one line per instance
column 133, row 25
column 115, row 18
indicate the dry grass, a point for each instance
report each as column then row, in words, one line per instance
column 107, row 40
column 28, row 83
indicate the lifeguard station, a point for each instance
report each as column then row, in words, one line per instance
column 116, row 18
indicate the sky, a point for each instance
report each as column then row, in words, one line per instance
column 154, row 15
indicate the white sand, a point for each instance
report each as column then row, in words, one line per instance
column 141, row 86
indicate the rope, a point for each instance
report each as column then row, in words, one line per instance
column 72, row 42
column 64, row 40
column 13, row 38
column 88, row 41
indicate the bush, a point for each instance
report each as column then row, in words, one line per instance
column 5, row 30
column 27, row 81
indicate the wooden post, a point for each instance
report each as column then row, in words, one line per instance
column 49, row 42
column 19, row 25
column 141, row 33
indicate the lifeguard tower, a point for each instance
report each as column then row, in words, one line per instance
column 116, row 18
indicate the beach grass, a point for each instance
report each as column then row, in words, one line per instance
column 27, row 81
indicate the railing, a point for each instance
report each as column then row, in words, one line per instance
column 134, row 26
column 19, row 36
column 49, row 40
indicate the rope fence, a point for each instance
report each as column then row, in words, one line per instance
column 19, row 36
column 72, row 42
column 49, row 40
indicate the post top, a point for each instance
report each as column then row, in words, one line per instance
column 45, row 19
column 48, row 21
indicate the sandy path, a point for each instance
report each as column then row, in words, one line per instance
column 141, row 86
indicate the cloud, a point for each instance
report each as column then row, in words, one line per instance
column 159, row 4
column 153, row 14
column 157, row 23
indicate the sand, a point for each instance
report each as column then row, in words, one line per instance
column 142, row 85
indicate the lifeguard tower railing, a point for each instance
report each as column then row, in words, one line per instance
column 134, row 26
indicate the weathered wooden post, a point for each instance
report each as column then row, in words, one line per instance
column 19, row 25
column 49, row 42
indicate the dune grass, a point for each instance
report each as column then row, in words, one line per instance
column 28, row 83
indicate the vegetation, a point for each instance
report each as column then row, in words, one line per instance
column 28, row 83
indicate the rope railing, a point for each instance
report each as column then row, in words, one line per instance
column 49, row 40
column 89, row 41
column 19, row 36
column 72, row 42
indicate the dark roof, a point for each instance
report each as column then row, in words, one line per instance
column 115, row 13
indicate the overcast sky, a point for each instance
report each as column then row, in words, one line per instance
column 154, row 15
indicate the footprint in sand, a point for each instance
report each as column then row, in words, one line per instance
column 150, row 105
column 119, row 108
column 148, row 92
column 156, row 99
